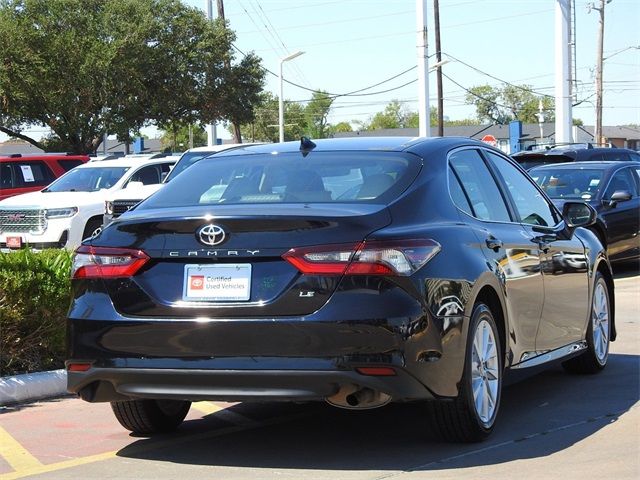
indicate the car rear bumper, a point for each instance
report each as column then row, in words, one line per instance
column 113, row 384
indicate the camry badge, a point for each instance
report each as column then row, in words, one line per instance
column 211, row 234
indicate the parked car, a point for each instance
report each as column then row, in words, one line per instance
column 574, row 153
column 71, row 208
column 124, row 200
column 611, row 188
column 270, row 273
column 29, row 173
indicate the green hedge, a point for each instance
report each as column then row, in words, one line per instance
column 35, row 292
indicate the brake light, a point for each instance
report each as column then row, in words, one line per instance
column 94, row 262
column 390, row 258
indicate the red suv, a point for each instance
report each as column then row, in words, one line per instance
column 29, row 173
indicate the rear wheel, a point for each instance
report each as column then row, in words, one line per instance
column 594, row 359
column 470, row 417
column 147, row 417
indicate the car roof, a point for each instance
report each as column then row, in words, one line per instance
column 128, row 162
column 599, row 164
column 390, row 144
column 41, row 156
column 570, row 149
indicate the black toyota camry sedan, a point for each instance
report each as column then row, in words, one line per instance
column 354, row 271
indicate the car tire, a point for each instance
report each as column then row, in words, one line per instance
column 148, row 416
column 471, row 416
column 92, row 228
column 594, row 358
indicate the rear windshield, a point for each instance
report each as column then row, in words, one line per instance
column 529, row 161
column 374, row 177
column 575, row 183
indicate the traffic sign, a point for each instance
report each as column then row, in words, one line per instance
column 490, row 139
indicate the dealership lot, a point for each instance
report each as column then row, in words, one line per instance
column 552, row 425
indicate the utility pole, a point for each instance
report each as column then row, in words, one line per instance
column 237, row 135
column 212, row 134
column 436, row 18
column 424, row 129
column 563, row 72
column 598, row 128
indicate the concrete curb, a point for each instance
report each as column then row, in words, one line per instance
column 32, row 386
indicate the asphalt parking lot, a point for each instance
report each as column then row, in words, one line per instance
column 553, row 425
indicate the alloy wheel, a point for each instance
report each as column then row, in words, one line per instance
column 600, row 323
column 485, row 372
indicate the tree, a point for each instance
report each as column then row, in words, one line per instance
column 512, row 102
column 316, row 113
column 86, row 67
column 176, row 136
column 264, row 127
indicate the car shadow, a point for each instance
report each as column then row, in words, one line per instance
column 563, row 408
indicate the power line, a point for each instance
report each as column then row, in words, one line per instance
column 525, row 89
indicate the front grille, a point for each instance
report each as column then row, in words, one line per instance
column 122, row 206
column 22, row 221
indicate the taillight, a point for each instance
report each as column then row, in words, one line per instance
column 392, row 258
column 93, row 262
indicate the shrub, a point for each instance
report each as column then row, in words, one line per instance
column 35, row 289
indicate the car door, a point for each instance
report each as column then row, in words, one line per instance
column 621, row 218
column 565, row 267
column 511, row 255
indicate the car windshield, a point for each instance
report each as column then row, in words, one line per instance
column 88, row 179
column 290, row 178
column 186, row 160
column 574, row 183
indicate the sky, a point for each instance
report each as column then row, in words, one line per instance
column 350, row 45
column 353, row 44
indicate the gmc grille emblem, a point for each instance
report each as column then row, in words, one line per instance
column 15, row 216
column 211, row 234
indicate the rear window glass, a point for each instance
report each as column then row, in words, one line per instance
column 571, row 183
column 291, row 178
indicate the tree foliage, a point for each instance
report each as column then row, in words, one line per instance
column 86, row 67
column 310, row 120
column 175, row 136
column 511, row 102
column 397, row 115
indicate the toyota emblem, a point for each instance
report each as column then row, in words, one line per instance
column 211, row 235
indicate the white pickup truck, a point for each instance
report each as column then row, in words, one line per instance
column 71, row 208
column 123, row 200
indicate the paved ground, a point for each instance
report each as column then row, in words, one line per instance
column 552, row 426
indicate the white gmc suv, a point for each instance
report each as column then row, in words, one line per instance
column 71, row 208
column 122, row 201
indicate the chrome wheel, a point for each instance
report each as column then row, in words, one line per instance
column 600, row 323
column 485, row 372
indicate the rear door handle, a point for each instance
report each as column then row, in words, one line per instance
column 493, row 243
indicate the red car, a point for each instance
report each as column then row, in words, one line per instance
column 29, row 173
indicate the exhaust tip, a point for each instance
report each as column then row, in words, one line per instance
column 356, row 398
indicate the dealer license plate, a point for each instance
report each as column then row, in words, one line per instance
column 14, row 242
column 224, row 283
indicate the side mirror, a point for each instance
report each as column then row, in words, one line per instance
column 578, row 214
column 619, row 196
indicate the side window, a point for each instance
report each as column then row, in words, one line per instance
column 69, row 164
column 147, row 175
column 479, row 186
column 457, row 194
column 32, row 174
column 6, row 176
column 621, row 180
column 532, row 207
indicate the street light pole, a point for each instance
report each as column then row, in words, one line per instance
column 280, row 99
